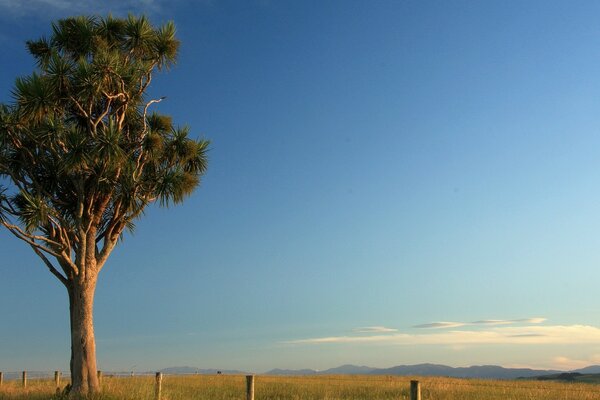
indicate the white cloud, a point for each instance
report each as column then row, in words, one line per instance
column 454, row 324
column 537, row 320
column 508, row 321
column 374, row 329
column 566, row 363
column 441, row 324
column 531, row 335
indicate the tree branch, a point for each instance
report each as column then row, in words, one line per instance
column 32, row 237
column 105, row 112
column 30, row 241
column 79, row 107
column 146, row 112
column 51, row 268
column 109, row 245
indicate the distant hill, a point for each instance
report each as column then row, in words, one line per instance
column 588, row 374
column 291, row 372
column 592, row 369
column 476, row 371
column 348, row 369
column 571, row 377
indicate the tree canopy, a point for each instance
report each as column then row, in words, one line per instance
column 79, row 145
column 82, row 155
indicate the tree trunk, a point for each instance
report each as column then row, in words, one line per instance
column 84, row 379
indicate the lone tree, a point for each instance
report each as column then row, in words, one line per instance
column 81, row 157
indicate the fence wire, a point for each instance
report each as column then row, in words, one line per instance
column 431, row 387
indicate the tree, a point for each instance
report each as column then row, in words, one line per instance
column 81, row 157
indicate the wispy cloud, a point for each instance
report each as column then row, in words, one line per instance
column 442, row 324
column 566, row 363
column 509, row 321
column 374, row 329
column 454, row 324
column 527, row 335
column 554, row 334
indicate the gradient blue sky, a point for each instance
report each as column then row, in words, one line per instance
column 390, row 182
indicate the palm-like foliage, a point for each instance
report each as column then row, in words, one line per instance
column 81, row 156
column 79, row 146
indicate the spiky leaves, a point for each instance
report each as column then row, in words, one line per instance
column 78, row 145
column 81, row 158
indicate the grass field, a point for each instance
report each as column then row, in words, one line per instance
column 308, row 387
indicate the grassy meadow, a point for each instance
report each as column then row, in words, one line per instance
column 230, row 387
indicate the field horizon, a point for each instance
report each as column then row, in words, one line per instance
column 349, row 387
column 422, row 369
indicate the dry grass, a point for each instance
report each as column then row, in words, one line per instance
column 312, row 388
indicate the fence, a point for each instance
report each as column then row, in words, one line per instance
column 159, row 386
column 415, row 386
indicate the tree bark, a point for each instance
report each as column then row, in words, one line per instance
column 84, row 379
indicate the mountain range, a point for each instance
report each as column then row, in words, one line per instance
column 475, row 371
column 590, row 373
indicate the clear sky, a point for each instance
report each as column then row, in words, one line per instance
column 390, row 182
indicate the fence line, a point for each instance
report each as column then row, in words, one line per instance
column 415, row 385
column 415, row 388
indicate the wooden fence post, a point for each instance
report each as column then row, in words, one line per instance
column 249, row 387
column 415, row 390
column 57, row 379
column 24, row 379
column 158, row 386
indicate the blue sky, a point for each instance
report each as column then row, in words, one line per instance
column 390, row 182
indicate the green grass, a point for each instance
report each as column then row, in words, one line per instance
column 223, row 387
